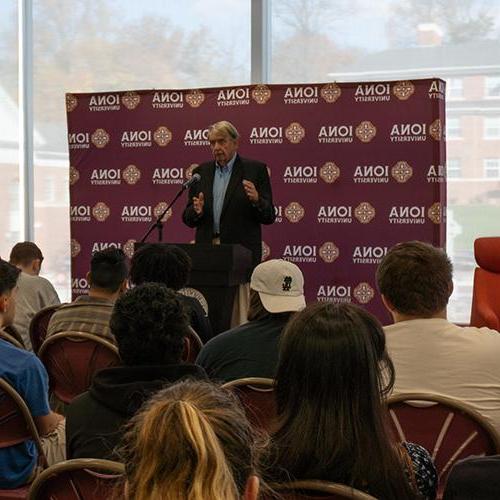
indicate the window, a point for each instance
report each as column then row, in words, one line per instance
column 122, row 45
column 492, row 127
column 454, row 88
column 125, row 44
column 492, row 86
column 453, row 129
column 453, row 168
column 339, row 40
column 491, row 168
column 9, row 130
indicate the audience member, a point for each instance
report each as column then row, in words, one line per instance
column 430, row 353
column 150, row 326
column 332, row 379
column 191, row 441
column 170, row 265
column 34, row 292
column 26, row 374
column 476, row 478
column 91, row 313
column 251, row 350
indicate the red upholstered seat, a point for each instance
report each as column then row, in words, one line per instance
column 16, row 494
column 486, row 291
column 72, row 358
column 79, row 479
column 192, row 347
column 258, row 398
column 39, row 324
column 448, row 429
column 16, row 426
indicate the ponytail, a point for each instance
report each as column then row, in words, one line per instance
column 190, row 442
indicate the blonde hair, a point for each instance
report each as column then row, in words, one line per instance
column 192, row 441
column 224, row 127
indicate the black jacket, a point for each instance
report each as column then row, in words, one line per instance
column 197, row 318
column 240, row 220
column 95, row 419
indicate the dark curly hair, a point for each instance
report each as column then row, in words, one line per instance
column 108, row 269
column 161, row 263
column 8, row 276
column 149, row 324
column 416, row 278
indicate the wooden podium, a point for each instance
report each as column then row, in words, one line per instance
column 217, row 272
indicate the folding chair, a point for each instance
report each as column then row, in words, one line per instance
column 16, row 426
column 192, row 347
column 449, row 429
column 78, row 479
column 39, row 324
column 71, row 360
column 309, row 490
column 257, row 396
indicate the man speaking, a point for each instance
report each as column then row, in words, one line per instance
column 233, row 197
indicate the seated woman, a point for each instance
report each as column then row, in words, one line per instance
column 191, row 441
column 332, row 379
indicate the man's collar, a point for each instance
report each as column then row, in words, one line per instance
column 229, row 164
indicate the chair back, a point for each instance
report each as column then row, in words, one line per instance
column 192, row 347
column 78, row 479
column 257, row 397
column 16, row 426
column 16, row 422
column 10, row 336
column 39, row 324
column 449, row 429
column 315, row 490
column 71, row 360
column 485, row 310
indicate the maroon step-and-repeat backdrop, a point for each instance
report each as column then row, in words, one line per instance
column 355, row 168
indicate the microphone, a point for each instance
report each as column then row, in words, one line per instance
column 190, row 182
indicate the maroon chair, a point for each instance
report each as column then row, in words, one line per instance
column 72, row 358
column 257, row 397
column 449, row 429
column 485, row 309
column 78, row 479
column 192, row 347
column 315, row 490
column 39, row 324
column 16, row 426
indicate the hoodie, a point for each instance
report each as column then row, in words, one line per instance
column 95, row 420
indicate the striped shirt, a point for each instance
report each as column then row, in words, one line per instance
column 85, row 314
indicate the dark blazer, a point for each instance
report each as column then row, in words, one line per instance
column 240, row 219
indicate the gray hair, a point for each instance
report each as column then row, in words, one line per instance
column 224, row 127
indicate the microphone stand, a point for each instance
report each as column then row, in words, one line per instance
column 159, row 223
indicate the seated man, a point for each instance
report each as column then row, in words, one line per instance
column 430, row 353
column 91, row 313
column 26, row 374
column 34, row 292
column 150, row 326
column 170, row 265
column 251, row 350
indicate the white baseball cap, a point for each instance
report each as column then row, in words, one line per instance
column 280, row 285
